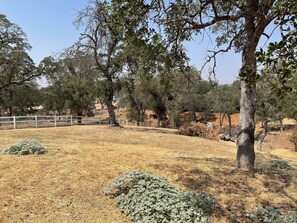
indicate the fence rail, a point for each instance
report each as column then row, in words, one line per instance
column 18, row 122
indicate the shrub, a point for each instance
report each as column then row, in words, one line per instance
column 293, row 138
column 270, row 214
column 150, row 199
column 198, row 129
column 24, row 148
column 274, row 165
column 279, row 164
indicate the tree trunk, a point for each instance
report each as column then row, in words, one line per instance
column 110, row 109
column 194, row 116
column 173, row 119
column 109, row 99
column 248, row 74
column 230, row 125
column 263, row 135
column 281, row 125
column 10, row 102
column 221, row 119
column 159, row 121
column 246, row 138
column 79, row 118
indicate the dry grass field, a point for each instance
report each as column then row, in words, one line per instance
column 67, row 183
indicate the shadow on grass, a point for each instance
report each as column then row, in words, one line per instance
column 236, row 190
column 155, row 130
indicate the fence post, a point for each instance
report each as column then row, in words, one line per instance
column 14, row 122
column 36, row 121
column 71, row 120
column 55, row 121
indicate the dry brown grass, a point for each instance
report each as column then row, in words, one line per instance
column 66, row 184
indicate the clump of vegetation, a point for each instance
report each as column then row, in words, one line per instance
column 275, row 165
column 293, row 138
column 24, row 148
column 279, row 164
column 147, row 198
column 270, row 214
column 199, row 130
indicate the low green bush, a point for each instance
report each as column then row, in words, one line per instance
column 150, row 199
column 270, row 214
column 24, row 148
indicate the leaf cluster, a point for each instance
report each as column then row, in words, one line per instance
column 270, row 214
column 24, row 148
column 148, row 198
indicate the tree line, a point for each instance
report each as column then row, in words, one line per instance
column 138, row 46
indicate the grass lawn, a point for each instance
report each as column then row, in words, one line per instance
column 67, row 183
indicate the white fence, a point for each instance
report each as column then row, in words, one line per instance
column 18, row 122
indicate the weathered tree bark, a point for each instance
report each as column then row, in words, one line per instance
column 248, row 73
column 263, row 135
column 246, row 138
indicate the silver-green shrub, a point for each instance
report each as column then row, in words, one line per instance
column 270, row 214
column 24, row 148
column 147, row 198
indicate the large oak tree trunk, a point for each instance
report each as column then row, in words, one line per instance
column 248, row 73
column 110, row 109
column 109, row 99
column 246, row 138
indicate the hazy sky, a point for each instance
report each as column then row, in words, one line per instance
column 49, row 27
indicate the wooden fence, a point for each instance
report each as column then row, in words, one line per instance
column 18, row 122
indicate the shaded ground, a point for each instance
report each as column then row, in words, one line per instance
column 66, row 184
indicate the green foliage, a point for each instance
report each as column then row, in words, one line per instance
column 199, row 130
column 147, row 198
column 281, row 56
column 24, row 148
column 270, row 214
column 72, row 84
column 16, row 69
column 225, row 98
column 16, row 66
